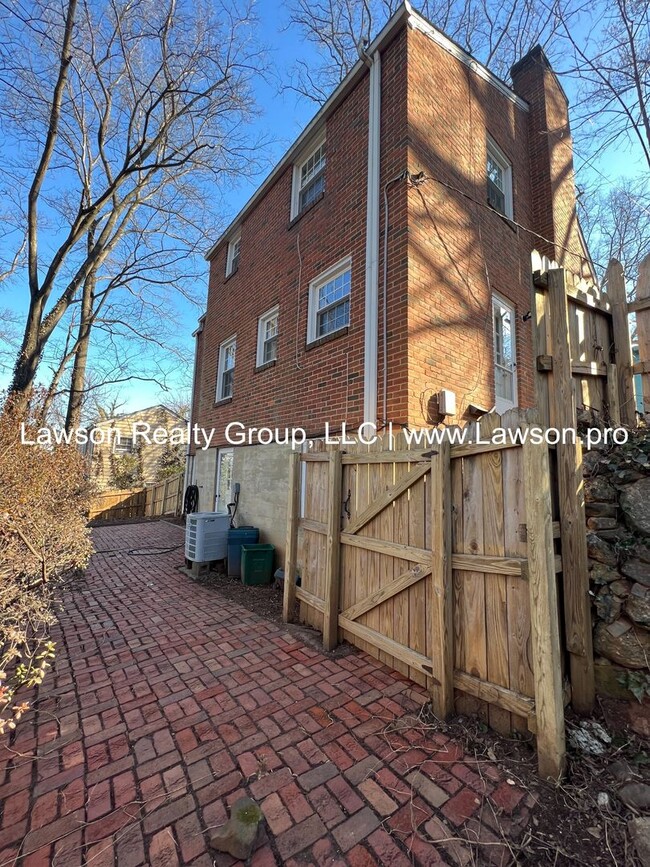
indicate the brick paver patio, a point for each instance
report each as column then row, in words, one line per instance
column 168, row 702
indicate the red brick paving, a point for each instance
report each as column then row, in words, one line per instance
column 168, row 702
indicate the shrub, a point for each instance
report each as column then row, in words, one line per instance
column 171, row 462
column 44, row 499
column 127, row 471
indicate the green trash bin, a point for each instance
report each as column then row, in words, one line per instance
column 257, row 564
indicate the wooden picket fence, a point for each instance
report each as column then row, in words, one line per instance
column 164, row 498
column 441, row 562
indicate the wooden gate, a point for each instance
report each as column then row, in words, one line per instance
column 439, row 559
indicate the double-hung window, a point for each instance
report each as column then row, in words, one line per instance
column 123, row 445
column 505, row 354
column 234, row 250
column 308, row 178
column 226, row 370
column 329, row 300
column 499, row 180
column 267, row 337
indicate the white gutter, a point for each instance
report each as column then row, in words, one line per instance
column 371, row 335
column 189, row 459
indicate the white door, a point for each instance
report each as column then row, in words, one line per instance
column 505, row 354
column 223, row 489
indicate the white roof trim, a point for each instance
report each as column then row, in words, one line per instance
column 418, row 23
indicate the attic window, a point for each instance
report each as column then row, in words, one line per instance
column 234, row 249
column 308, row 177
column 499, row 180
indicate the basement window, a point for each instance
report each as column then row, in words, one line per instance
column 226, row 370
column 329, row 301
column 499, row 180
column 505, row 354
column 267, row 337
column 234, row 250
column 308, row 177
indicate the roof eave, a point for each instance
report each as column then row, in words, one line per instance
column 405, row 14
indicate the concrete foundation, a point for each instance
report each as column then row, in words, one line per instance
column 263, row 474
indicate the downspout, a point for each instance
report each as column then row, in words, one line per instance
column 189, row 459
column 371, row 336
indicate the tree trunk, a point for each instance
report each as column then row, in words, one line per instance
column 29, row 356
column 75, row 401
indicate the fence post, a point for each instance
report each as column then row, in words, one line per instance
column 148, row 503
column 544, row 625
column 615, row 284
column 613, row 401
column 332, row 568
column 291, row 551
column 442, row 632
column 642, row 308
column 577, row 606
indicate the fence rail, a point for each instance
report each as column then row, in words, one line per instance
column 164, row 498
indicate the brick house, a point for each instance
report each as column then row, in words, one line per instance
column 382, row 272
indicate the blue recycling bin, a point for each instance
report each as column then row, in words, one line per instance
column 238, row 536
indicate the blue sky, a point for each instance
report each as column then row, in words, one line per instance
column 283, row 115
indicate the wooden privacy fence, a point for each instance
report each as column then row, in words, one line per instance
column 164, row 498
column 440, row 560
column 583, row 333
column 582, row 342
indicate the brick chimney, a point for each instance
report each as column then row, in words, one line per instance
column 551, row 159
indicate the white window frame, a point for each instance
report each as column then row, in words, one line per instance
column 312, row 316
column 495, row 153
column 221, row 369
column 221, row 454
column 231, row 266
column 501, row 404
column 265, row 318
column 123, row 445
column 305, row 155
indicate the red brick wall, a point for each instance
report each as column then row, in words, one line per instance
column 461, row 252
column 447, row 254
column 309, row 386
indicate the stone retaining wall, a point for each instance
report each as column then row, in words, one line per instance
column 617, row 495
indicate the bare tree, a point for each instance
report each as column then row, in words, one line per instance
column 497, row 33
column 616, row 223
column 128, row 112
column 611, row 62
